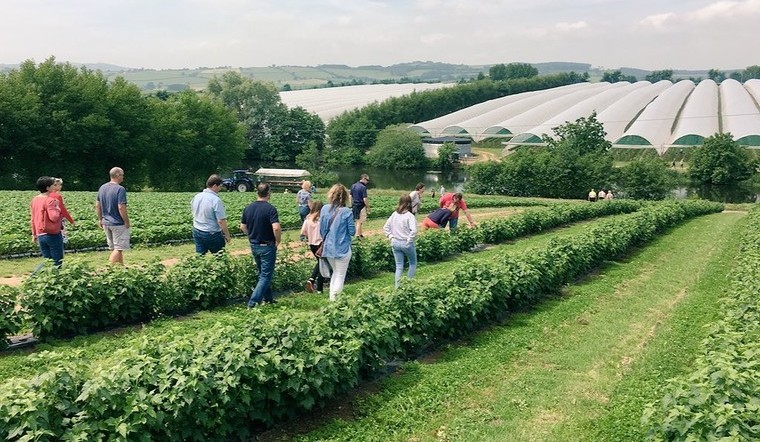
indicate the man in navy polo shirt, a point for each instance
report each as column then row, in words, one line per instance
column 210, row 231
column 261, row 223
column 360, row 203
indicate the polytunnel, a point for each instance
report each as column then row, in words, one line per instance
column 546, row 110
column 653, row 127
column 740, row 113
column 619, row 115
column 699, row 117
column 584, row 108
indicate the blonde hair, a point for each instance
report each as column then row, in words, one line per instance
column 337, row 196
column 306, row 185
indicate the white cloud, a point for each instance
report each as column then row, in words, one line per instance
column 565, row 27
column 726, row 9
column 659, row 21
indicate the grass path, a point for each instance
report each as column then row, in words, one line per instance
column 570, row 369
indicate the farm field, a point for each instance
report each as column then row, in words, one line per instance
column 159, row 218
column 582, row 366
column 88, row 356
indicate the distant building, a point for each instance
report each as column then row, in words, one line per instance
column 431, row 146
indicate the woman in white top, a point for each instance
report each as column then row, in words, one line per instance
column 401, row 229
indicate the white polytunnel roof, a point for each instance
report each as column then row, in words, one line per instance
column 618, row 116
column 654, row 125
column 740, row 113
column 330, row 102
column 598, row 103
column 474, row 120
column 699, row 116
column 546, row 110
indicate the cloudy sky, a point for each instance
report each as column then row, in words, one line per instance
column 648, row 34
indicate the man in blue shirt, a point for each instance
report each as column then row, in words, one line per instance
column 210, row 231
column 111, row 208
column 261, row 223
column 360, row 203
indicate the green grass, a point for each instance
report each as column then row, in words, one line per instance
column 596, row 354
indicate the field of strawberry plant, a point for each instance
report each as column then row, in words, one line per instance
column 262, row 368
column 159, row 217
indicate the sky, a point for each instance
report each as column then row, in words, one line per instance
column 163, row 34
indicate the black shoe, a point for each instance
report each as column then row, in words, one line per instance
column 271, row 301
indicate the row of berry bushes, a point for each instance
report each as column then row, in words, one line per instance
column 10, row 321
column 720, row 399
column 78, row 299
column 244, row 373
column 159, row 218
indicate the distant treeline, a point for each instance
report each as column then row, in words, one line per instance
column 60, row 120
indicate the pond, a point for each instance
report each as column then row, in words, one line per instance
column 457, row 179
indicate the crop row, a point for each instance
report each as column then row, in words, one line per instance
column 78, row 299
column 159, row 218
column 230, row 378
column 720, row 399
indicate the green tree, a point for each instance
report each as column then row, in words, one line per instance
column 617, row 76
column 194, row 137
column 397, row 147
column 721, row 160
column 655, row 76
column 447, row 156
column 498, row 72
column 585, row 135
column 258, row 106
column 716, row 75
column 520, row 70
column 751, row 72
column 735, row 75
column 646, row 178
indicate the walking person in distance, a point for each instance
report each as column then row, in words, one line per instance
column 401, row 229
column 210, row 230
column 261, row 222
column 46, row 221
column 336, row 225
column 360, row 203
column 111, row 208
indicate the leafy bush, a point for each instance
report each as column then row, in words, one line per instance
column 720, row 399
column 721, row 160
column 10, row 320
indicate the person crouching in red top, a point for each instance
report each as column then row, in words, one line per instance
column 458, row 200
column 46, row 222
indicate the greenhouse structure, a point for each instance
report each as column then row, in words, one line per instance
column 634, row 115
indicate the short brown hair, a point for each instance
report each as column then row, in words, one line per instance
column 213, row 180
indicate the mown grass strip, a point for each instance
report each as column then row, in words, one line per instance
column 544, row 374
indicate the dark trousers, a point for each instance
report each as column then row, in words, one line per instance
column 315, row 274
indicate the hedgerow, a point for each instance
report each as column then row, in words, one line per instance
column 720, row 399
column 233, row 377
column 10, row 320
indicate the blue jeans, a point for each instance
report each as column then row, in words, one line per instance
column 453, row 224
column 303, row 211
column 51, row 247
column 265, row 257
column 208, row 241
column 400, row 250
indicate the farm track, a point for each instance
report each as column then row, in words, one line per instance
column 100, row 347
column 550, row 374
